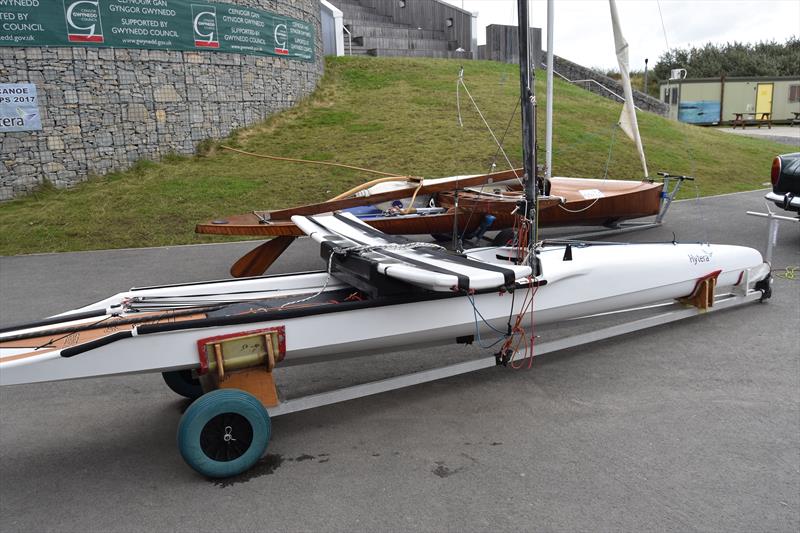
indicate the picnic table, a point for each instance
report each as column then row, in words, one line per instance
column 738, row 119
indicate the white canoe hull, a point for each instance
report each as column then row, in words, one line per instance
column 599, row 279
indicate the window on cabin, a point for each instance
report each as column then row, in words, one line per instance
column 666, row 95
column 794, row 93
column 675, row 96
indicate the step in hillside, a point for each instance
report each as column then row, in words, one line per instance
column 376, row 27
column 366, row 16
column 394, row 31
column 346, row 4
column 356, row 50
column 410, row 44
column 401, row 52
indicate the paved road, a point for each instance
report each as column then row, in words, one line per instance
column 689, row 426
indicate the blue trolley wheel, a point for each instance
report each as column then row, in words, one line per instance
column 182, row 382
column 224, row 433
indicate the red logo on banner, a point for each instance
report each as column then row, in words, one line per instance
column 83, row 21
column 204, row 24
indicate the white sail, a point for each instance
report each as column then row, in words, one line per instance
column 627, row 120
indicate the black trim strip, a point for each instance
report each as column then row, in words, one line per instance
column 272, row 315
column 508, row 275
column 462, row 280
column 97, row 343
column 276, row 314
column 53, row 320
column 116, row 321
column 369, row 230
column 330, row 235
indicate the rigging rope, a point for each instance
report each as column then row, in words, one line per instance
column 461, row 83
column 510, row 348
column 790, row 272
column 328, row 163
column 663, row 27
column 493, row 165
column 605, row 173
column 324, row 285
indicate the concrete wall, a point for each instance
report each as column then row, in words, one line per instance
column 502, row 44
column 104, row 108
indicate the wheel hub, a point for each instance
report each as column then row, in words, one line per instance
column 226, row 437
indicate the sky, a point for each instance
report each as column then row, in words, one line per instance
column 582, row 29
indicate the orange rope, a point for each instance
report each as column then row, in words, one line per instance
column 519, row 332
column 276, row 158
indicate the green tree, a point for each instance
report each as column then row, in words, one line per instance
column 768, row 58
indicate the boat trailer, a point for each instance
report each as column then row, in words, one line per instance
column 671, row 312
column 236, row 395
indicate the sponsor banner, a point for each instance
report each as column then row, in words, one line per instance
column 19, row 110
column 154, row 24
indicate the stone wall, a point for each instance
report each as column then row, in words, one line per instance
column 105, row 108
column 573, row 72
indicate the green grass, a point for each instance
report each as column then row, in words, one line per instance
column 394, row 115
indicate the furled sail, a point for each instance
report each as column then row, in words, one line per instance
column 627, row 120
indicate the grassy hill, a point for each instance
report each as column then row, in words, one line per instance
column 394, row 115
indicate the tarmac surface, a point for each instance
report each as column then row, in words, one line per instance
column 783, row 134
column 691, row 426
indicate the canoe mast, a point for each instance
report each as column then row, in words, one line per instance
column 528, row 105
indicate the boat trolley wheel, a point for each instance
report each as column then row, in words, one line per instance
column 224, row 433
column 182, row 382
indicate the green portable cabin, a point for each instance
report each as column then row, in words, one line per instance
column 710, row 101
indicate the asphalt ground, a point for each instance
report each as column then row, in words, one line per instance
column 690, row 426
column 783, row 134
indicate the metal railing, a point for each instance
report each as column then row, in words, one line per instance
column 349, row 40
column 621, row 98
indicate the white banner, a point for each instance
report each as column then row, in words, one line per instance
column 19, row 108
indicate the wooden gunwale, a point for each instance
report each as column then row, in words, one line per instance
column 446, row 185
column 281, row 225
column 249, row 224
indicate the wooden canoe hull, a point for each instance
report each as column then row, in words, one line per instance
column 613, row 200
column 250, row 224
column 619, row 200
